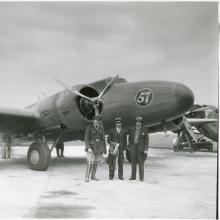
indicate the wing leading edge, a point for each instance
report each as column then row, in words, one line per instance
column 197, row 121
column 16, row 121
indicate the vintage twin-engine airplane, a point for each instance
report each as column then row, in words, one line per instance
column 64, row 116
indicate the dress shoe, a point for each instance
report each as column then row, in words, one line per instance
column 121, row 178
column 132, row 178
column 94, row 178
column 111, row 178
column 142, row 180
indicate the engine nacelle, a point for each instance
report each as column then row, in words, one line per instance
column 67, row 109
column 86, row 108
column 173, row 125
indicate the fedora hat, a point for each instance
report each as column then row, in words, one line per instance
column 139, row 118
column 118, row 120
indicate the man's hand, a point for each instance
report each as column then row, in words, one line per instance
column 113, row 143
column 146, row 152
column 90, row 150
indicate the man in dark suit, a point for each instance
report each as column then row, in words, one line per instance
column 117, row 138
column 60, row 149
column 95, row 146
column 138, row 147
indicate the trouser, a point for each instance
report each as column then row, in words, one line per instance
column 88, row 170
column 91, row 169
column 94, row 168
column 112, row 163
column 6, row 150
column 60, row 150
column 92, row 162
column 137, row 157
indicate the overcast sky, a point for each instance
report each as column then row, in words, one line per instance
column 84, row 42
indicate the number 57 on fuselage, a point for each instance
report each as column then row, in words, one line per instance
column 65, row 115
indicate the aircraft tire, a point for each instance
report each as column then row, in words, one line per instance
column 38, row 156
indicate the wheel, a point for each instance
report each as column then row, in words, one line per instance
column 38, row 156
column 128, row 156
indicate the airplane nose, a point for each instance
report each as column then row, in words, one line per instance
column 184, row 97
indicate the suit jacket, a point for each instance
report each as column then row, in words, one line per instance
column 120, row 138
column 95, row 139
column 143, row 139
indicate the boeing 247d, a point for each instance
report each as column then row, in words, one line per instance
column 64, row 116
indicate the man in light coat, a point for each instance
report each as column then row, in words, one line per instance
column 95, row 146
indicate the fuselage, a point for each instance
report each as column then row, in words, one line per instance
column 156, row 101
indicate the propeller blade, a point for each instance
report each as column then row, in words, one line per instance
column 108, row 86
column 64, row 85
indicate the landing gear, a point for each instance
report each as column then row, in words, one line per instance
column 39, row 153
column 38, row 156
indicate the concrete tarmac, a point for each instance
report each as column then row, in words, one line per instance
column 177, row 185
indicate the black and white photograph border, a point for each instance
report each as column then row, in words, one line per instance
column 72, row 73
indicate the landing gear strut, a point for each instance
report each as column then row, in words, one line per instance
column 39, row 154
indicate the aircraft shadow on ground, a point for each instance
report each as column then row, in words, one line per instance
column 67, row 161
column 22, row 163
column 57, row 210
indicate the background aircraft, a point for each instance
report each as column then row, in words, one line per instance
column 200, row 123
column 205, row 119
column 64, row 116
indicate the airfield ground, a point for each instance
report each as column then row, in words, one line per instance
column 177, row 185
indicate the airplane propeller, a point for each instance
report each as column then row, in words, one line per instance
column 107, row 87
column 66, row 86
column 95, row 101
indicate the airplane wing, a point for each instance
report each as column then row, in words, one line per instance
column 17, row 121
column 197, row 121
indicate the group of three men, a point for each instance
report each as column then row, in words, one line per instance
column 137, row 145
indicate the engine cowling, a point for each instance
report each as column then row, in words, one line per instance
column 67, row 109
column 86, row 108
column 173, row 126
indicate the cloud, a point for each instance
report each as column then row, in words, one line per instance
column 85, row 41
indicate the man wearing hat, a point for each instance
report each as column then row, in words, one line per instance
column 95, row 146
column 117, row 140
column 138, row 147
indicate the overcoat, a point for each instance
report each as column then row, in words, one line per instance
column 143, row 139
